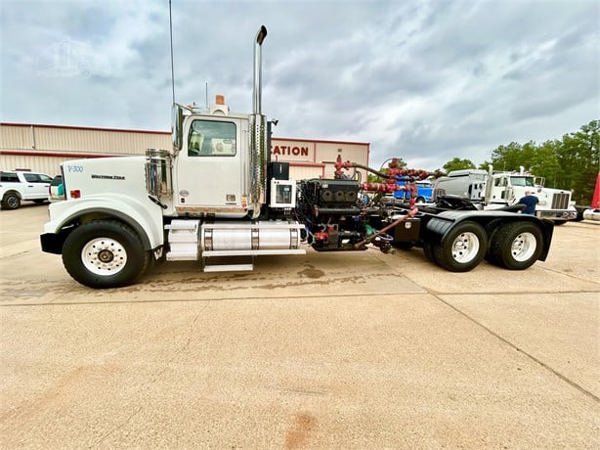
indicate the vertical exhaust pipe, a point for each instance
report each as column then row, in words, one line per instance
column 260, row 37
column 258, row 137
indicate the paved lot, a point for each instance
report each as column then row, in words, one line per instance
column 359, row 350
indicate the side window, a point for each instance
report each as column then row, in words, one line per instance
column 8, row 177
column 32, row 177
column 45, row 178
column 211, row 138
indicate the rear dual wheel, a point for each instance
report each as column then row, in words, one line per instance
column 516, row 246
column 462, row 248
column 428, row 252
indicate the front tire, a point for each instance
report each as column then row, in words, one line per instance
column 516, row 246
column 11, row 200
column 463, row 247
column 104, row 254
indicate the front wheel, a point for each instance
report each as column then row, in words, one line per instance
column 104, row 254
column 462, row 248
column 516, row 246
column 11, row 200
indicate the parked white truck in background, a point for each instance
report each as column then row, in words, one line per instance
column 19, row 185
column 493, row 190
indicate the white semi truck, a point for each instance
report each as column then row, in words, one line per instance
column 216, row 198
column 500, row 189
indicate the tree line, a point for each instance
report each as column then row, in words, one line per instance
column 571, row 162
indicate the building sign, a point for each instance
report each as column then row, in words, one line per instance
column 284, row 150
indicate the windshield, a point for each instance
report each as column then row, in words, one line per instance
column 521, row 181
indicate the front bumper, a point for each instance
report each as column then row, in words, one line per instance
column 559, row 214
column 53, row 242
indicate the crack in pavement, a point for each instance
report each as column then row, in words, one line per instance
column 289, row 297
column 520, row 350
column 548, row 269
column 153, row 379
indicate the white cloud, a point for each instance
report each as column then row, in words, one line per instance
column 424, row 80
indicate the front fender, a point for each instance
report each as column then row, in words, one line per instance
column 145, row 217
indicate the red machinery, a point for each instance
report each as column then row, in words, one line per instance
column 393, row 173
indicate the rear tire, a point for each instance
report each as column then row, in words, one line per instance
column 463, row 248
column 104, row 254
column 39, row 202
column 517, row 245
column 11, row 200
column 428, row 252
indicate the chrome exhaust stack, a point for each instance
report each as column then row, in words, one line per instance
column 258, row 134
column 260, row 37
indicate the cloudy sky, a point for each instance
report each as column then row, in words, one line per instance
column 423, row 80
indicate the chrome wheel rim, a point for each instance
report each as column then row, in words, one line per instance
column 465, row 247
column 523, row 247
column 104, row 256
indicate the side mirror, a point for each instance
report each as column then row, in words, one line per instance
column 177, row 127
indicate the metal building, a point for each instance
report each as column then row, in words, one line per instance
column 42, row 148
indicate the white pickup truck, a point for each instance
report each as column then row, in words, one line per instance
column 17, row 186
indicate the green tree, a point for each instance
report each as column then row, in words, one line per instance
column 485, row 165
column 507, row 157
column 572, row 162
column 545, row 162
column 579, row 160
column 458, row 164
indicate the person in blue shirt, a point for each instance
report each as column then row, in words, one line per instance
column 529, row 200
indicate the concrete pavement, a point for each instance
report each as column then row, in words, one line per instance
column 359, row 350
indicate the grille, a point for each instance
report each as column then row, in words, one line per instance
column 560, row 200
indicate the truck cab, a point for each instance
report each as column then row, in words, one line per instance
column 211, row 169
column 509, row 188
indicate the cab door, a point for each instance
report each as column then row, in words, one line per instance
column 210, row 175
